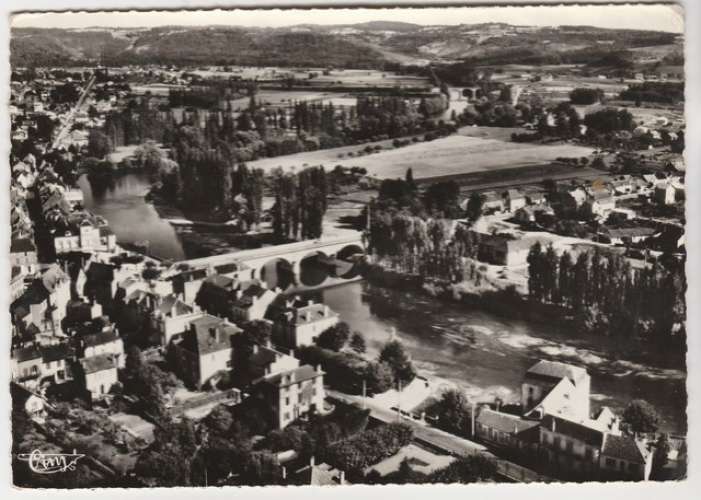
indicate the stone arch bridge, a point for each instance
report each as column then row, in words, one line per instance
column 310, row 263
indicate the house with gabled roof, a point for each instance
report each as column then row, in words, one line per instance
column 172, row 317
column 98, row 374
column 299, row 324
column 56, row 363
column 506, row 430
column 291, row 394
column 251, row 301
column 552, row 387
column 624, row 457
column 105, row 341
column 26, row 366
column 205, row 350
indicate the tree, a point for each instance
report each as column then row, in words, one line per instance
column 357, row 342
column 536, row 285
column 379, row 377
column 474, row 206
column 660, row 456
column 550, row 277
column 442, row 197
column 133, row 364
column 565, row 279
column 467, row 469
column 453, row 411
column 98, row 144
column 335, row 337
column 641, row 416
column 409, row 178
column 394, row 354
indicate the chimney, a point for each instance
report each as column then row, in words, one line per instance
column 268, row 344
column 552, row 425
column 318, row 368
column 239, row 293
column 326, row 311
column 310, row 302
column 311, row 462
column 341, row 477
column 284, row 472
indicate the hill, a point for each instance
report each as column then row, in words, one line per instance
column 363, row 45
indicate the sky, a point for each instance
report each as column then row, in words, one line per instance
column 648, row 17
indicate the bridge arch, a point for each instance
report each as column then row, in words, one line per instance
column 314, row 268
column 347, row 260
column 278, row 272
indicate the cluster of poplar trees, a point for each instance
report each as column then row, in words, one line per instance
column 606, row 295
column 300, row 204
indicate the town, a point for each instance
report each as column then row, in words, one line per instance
column 348, row 270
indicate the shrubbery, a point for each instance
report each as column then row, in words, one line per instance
column 356, row 453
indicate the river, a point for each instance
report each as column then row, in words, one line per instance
column 120, row 200
column 485, row 354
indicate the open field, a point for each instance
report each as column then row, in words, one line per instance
column 447, row 156
column 354, row 77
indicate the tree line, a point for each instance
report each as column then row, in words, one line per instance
column 300, row 203
column 604, row 294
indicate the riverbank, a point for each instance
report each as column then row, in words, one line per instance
column 486, row 354
column 509, row 303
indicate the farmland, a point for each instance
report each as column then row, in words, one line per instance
column 448, row 156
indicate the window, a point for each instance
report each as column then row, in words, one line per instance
column 286, row 416
column 588, row 453
column 287, row 401
column 556, row 442
column 314, row 392
column 632, row 468
column 568, row 445
column 228, row 363
column 610, row 462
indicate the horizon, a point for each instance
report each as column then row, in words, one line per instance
column 647, row 17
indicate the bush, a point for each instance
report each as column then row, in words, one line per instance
column 586, row 96
column 344, row 371
column 356, row 453
column 334, row 337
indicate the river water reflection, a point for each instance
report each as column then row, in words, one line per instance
column 121, row 202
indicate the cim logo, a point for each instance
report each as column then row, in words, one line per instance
column 50, row 463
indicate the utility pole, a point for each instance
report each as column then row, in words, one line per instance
column 364, row 393
column 472, row 418
column 399, row 400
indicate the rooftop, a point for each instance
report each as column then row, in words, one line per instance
column 625, row 448
column 290, row 377
column 209, row 334
column 577, row 430
column 505, row 422
column 100, row 338
column 313, row 312
column 99, row 363
column 556, row 370
column 22, row 245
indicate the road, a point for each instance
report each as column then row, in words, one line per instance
column 436, row 437
column 442, row 440
column 69, row 120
